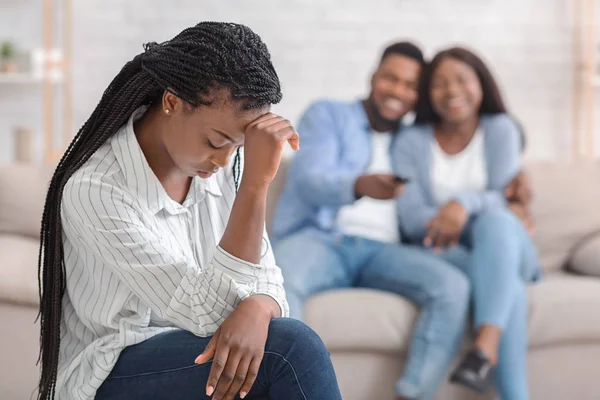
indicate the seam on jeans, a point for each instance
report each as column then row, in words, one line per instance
column 166, row 371
column 293, row 370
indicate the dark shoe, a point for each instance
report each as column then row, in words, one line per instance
column 475, row 371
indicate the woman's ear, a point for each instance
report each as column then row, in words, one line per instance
column 170, row 103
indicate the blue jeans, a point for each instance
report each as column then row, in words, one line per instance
column 313, row 262
column 295, row 366
column 503, row 259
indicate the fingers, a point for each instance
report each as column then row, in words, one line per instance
column 432, row 232
column 218, row 366
column 229, row 375
column 294, row 141
column 209, row 350
column 251, row 376
column 282, row 129
column 264, row 119
column 391, row 186
column 289, row 134
column 440, row 241
column 273, row 124
column 524, row 194
column 239, row 379
column 438, row 238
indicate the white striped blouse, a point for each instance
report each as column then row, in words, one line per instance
column 138, row 263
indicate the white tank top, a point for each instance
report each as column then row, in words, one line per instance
column 456, row 173
column 367, row 217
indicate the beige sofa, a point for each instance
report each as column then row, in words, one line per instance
column 367, row 332
column 367, row 343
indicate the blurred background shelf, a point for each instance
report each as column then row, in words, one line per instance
column 16, row 78
column 44, row 65
column 25, row 78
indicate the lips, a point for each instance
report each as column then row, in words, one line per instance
column 455, row 104
column 204, row 175
column 394, row 105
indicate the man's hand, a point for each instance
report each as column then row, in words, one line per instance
column 444, row 230
column 238, row 347
column 378, row 186
column 524, row 214
column 519, row 190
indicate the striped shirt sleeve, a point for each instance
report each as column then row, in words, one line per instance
column 103, row 218
column 270, row 279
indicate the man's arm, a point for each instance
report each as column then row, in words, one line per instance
column 315, row 168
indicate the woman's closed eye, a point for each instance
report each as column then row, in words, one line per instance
column 215, row 145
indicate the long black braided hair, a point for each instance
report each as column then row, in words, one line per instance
column 208, row 56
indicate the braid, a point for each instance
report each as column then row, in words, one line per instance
column 236, row 169
column 207, row 56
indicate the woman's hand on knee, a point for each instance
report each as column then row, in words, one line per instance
column 237, row 349
column 444, row 229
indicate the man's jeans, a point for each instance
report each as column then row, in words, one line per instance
column 313, row 262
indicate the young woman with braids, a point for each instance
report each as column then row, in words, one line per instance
column 156, row 279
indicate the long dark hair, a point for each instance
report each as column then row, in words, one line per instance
column 491, row 103
column 208, row 56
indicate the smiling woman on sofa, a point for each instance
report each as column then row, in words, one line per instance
column 463, row 151
column 150, row 265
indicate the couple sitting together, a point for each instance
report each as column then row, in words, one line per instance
column 435, row 211
column 157, row 279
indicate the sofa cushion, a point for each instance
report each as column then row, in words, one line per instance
column 563, row 309
column 565, row 207
column 18, row 269
column 585, row 259
column 361, row 319
column 23, row 190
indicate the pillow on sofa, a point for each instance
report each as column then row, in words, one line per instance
column 585, row 258
column 23, row 190
column 565, row 207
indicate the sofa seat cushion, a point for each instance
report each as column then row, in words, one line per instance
column 563, row 309
column 361, row 320
column 18, row 269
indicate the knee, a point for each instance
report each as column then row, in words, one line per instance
column 494, row 219
column 297, row 338
column 454, row 292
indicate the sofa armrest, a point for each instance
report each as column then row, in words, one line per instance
column 585, row 257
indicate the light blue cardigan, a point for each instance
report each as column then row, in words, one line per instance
column 416, row 207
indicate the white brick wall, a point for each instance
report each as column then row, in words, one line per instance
column 329, row 47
